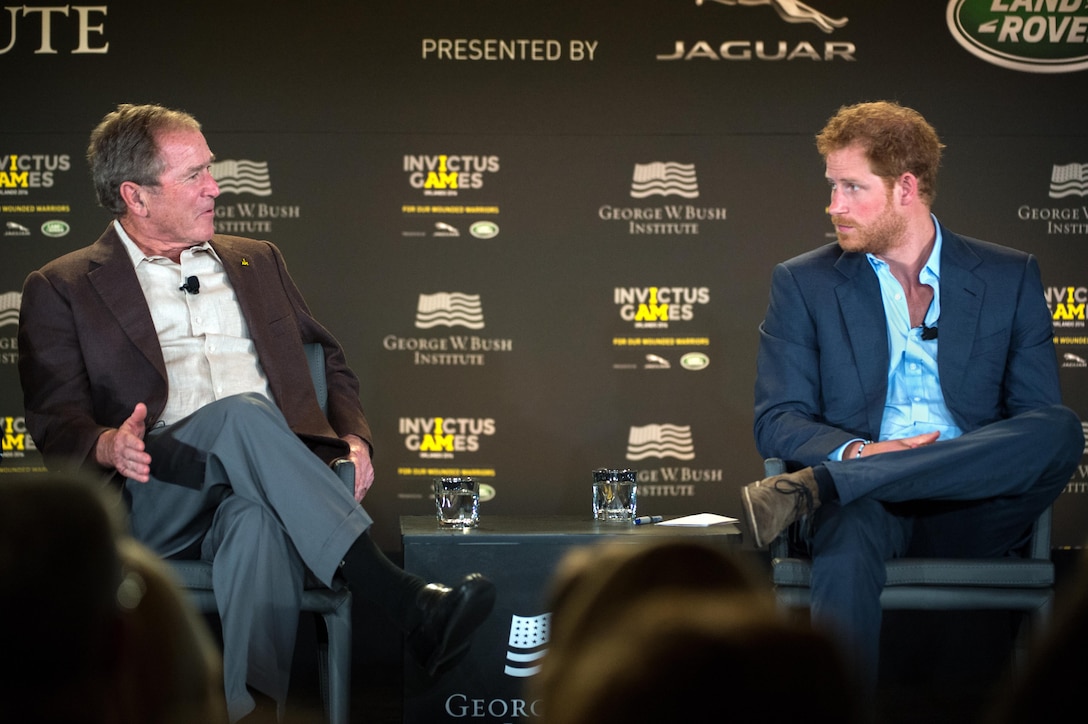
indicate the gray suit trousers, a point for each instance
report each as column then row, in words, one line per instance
column 233, row 485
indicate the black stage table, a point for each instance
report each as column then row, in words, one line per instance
column 519, row 554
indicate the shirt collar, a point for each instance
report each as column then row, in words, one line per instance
column 931, row 271
column 137, row 256
column 930, row 274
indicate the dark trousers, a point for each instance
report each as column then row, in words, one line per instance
column 974, row 496
column 233, row 483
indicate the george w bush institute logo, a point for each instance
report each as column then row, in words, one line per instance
column 1069, row 179
column 9, row 308
column 527, row 645
column 664, row 178
column 449, row 309
column 242, row 177
column 660, row 441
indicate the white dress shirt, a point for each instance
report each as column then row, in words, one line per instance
column 204, row 337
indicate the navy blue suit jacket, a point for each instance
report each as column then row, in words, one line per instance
column 822, row 372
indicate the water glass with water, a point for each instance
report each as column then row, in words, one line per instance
column 457, row 502
column 615, row 494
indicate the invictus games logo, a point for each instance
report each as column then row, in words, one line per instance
column 1034, row 36
column 250, row 178
column 440, row 178
column 1068, row 310
column 22, row 173
column 648, row 309
column 1067, row 306
column 447, row 174
column 14, row 439
column 742, row 49
column 440, row 438
column 656, row 307
column 663, row 178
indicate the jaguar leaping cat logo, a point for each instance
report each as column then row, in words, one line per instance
column 792, row 12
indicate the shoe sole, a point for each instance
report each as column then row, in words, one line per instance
column 750, row 517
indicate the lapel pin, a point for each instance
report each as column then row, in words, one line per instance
column 245, row 262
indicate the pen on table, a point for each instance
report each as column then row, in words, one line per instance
column 647, row 519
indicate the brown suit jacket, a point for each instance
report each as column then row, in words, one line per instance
column 88, row 351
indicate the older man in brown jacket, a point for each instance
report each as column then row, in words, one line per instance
column 171, row 359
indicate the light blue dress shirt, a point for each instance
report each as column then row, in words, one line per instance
column 915, row 403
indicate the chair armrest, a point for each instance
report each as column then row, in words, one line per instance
column 345, row 470
column 773, row 466
column 1040, row 536
column 315, row 358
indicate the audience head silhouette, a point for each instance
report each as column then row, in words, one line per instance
column 92, row 627
column 673, row 632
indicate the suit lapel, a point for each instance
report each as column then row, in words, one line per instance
column 115, row 281
column 867, row 329
column 246, row 274
column 246, row 280
column 961, row 307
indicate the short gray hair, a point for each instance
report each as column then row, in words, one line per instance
column 124, row 148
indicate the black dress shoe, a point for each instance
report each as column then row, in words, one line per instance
column 448, row 618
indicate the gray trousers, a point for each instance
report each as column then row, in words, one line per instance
column 233, row 485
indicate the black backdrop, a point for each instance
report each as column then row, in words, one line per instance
column 471, row 164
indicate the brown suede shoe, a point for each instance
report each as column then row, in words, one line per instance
column 771, row 504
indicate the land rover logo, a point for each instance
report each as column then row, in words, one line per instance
column 55, row 228
column 1035, row 36
column 484, row 229
column 694, row 361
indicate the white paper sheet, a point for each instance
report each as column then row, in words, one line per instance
column 699, row 520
